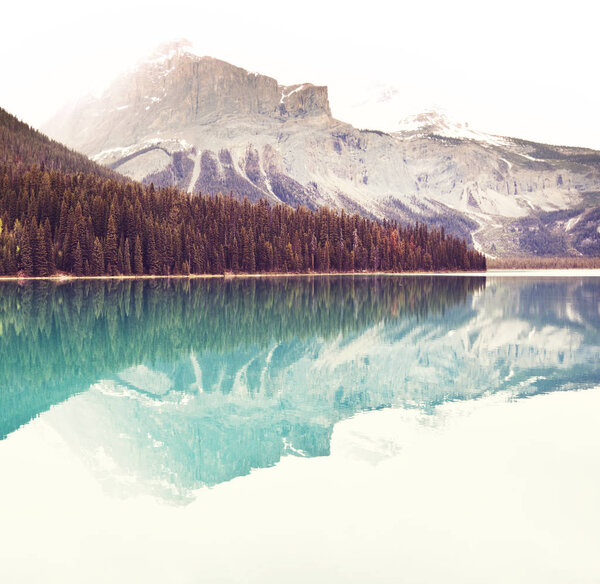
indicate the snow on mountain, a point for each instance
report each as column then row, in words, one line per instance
column 208, row 126
column 436, row 123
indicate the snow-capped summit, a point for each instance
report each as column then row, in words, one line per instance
column 438, row 123
column 431, row 122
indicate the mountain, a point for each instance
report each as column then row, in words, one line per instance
column 85, row 223
column 207, row 126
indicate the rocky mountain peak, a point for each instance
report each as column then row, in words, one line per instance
column 174, row 90
column 216, row 87
column 207, row 126
column 431, row 122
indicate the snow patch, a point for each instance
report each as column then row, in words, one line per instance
column 195, row 173
column 197, row 385
column 436, row 123
column 528, row 157
column 285, row 95
column 109, row 151
column 288, row 447
column 145, row 379
column 572, row 222
column 339, row 353
column 265, row 177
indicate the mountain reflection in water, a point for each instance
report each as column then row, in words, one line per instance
column 168, row 386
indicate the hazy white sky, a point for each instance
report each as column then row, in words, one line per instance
column 517, row 67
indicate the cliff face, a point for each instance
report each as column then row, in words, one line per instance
column 205, row 125
column 175, row 89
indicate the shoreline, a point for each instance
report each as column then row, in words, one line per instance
column 228, row 276
column 516, row 272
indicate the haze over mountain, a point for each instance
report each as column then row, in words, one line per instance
column 207, row 126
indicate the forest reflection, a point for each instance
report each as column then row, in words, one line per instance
column 57, row 339
column 184, row 384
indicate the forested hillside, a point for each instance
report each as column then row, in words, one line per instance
column 22, row 145
column 61, row 212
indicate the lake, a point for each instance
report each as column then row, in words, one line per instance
column 419, row 429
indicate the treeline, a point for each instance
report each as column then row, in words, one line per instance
column 544, row 263
column 89, row 225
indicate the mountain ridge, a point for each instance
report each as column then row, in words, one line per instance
column 207, row 126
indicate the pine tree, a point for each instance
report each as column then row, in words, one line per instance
column 97, row 263
column 26, row 252
column 126, row 258
column 290, row 264
column 248, row 252
column 110, row 247
column 151, row 255
column 78, row 261
column 197, row 266
column 49, row 247
column 41, row 253
column 235, row 254
column 138, row 262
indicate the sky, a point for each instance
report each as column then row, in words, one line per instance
column 519, row 68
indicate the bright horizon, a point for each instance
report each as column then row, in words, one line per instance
column 527, row 71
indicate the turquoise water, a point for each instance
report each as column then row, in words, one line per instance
column 169, row 393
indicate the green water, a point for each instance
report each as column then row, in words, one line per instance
column 333, row 429
column 232, row 375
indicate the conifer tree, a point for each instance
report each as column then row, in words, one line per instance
column 26, row 252
column 97, row 263
column 49, row 246
column 126, row 258
column 110, row 247
column 78, row 261
column 235, row 254
column 151, row 255
column 138, row 262
column 41, row 253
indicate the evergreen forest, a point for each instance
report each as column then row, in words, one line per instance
column 62, row 213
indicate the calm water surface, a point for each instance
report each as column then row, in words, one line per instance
column 344, row 429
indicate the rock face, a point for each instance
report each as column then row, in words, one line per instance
column 208, row 126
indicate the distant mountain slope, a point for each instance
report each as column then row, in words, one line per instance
column 21, row 144
column 208, row 126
